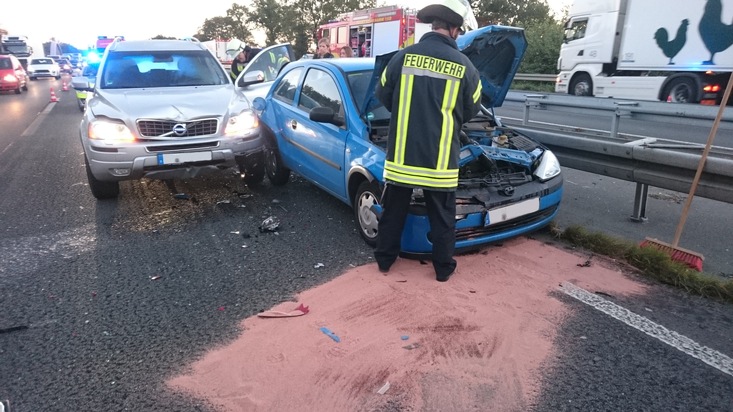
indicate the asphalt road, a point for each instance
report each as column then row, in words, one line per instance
column 103, row 301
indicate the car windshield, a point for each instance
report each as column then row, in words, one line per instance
column 149, row 69
column 41, row 61
column 5, row 64
column 359, row 83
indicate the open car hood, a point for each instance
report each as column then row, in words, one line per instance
column 496, row 51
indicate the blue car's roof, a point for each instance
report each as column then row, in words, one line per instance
column 352, row 64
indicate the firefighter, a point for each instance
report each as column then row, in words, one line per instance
column 431, row 89
column 238, row 64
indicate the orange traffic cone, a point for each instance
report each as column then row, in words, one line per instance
column 53, row 96
column 65, row 87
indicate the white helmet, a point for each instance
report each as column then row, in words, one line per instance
column 457, row 13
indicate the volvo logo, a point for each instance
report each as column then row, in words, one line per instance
column 180, row 129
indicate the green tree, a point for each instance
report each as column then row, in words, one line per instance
column 232, row 26
column 543, row 46
column 273, row 18
column 510, row 12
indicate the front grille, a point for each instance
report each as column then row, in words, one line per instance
column 464, row 234
column 165, row 128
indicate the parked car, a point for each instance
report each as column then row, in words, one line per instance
column 322, row 121
column 12, row 74
column 86, row 84
column 165, row 109
column 43, row 67
column 65, row 65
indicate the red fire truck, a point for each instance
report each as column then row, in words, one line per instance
column 372, row 32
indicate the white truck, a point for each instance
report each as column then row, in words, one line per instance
column 664, row 50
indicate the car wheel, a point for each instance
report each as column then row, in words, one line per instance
column 81, row 104
column 582, row 85
column 277, row 173
column 101, row 190
column 253, row 169
column 58, row 77
column 33, row 79
column 367, row 195
column 681, row 90
column 17, row 91
column 25, row 86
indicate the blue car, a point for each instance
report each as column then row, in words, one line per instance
column 321, row 120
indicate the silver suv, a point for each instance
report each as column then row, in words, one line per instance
column 165, row 109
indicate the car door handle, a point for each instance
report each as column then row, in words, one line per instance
column 293, row 124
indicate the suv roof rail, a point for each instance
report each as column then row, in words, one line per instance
column 191, row 39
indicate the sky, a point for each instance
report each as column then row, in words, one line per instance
column 134, row 19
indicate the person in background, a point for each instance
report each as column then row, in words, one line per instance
column 346, row 52
column 431, row 89
column 238, row 64
column 324, row 49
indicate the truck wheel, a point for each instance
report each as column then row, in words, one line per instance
column 277, row 173
column 581, row 85
column 367, row 195
column 681, row 90
column 101, row 190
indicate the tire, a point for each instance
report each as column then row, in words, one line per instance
column 367, row 194
column 58, row 77
column 582, row 85
column 277, row 173
column 33, row 79
column 101, row 190
column 17, row 91
column 681, row 90
column 253, row 168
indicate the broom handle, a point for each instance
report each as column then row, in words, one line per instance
column 701, row 164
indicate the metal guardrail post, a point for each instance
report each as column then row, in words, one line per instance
column 642, row 192
column 617, row 116
column 527, row 104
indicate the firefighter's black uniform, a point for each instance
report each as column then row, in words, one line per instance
column 431, row 89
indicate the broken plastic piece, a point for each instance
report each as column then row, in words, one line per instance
column 331, row 334
column 156, row 277
column 411, row 346
column 318, row 265
column 404, row 337
column 383, row 389
column 270, row 224
column 182, row 196
column 299, row 311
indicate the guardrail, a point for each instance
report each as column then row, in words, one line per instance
column 535, row 77
column 654, row 162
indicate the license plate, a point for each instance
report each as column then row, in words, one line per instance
column 178, row 158
column 514, row 211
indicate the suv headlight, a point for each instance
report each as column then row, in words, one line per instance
column 549, row 167
column 109, row 131
column 241, row 124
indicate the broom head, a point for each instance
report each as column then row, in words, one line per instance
column 692, row 259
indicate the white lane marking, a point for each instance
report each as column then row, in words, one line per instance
column 5, row 150
column 710, row 356
column 37, row 122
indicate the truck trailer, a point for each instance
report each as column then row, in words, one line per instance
column 647, row 50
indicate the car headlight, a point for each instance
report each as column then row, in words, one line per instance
column 549, row 167
column 109, row 131
column 241, row 124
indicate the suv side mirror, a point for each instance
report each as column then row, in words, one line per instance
column 81, row 83
column 253, row 77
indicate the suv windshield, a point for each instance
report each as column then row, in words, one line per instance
column 126, row 70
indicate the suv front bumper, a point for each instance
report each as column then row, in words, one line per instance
column 162, row 160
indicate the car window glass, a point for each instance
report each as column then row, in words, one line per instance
column 359, row 85
column 162, row 69
column 285, row 90
column 320, row 90
column 269, row 62
column 5, row 64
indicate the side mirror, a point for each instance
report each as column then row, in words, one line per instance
column 81, row 83
column 325, row 115
column 259, row 104
column 253, row 77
